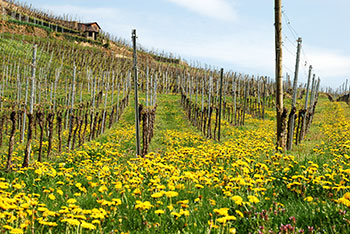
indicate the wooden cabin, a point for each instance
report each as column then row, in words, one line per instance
column 89, row 30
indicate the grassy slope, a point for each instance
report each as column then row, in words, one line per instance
column 170, row 120
column 170, row 117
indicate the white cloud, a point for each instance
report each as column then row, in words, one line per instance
column 331, row 66
column 253, row 52
column 330, row 63
column 217, row 9
column 249, row 50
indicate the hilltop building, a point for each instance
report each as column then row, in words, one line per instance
column 89, row 30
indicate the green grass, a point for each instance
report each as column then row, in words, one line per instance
column 47, row 29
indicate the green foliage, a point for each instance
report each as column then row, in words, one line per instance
column 47, row 29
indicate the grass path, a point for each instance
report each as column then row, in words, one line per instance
column 169, row 117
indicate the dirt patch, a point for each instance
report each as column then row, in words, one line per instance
column 120, row 52
column 3, row 3
column 9, row 27
column 85, row 44
column 59, row 36
column 40, row 32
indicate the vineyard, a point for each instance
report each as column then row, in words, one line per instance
column 201, row 156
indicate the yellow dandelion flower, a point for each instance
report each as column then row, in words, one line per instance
column 238, row 200
column 143, row 205
column 159, row 212
column 17, row 186
column 253, row 199
column 96, row 221
column 175, row 214
column 52, row 197
column 16, row 231
column 157, row 195
column 4, row 185
column 239, row 213
column 171, row 194
column 347, row 195
column 7, row 227
column 184, row 212
column 103, row 188
column 88, row 225
column 117, row 201
column 170, row 207
column 60, row 192
column 71, row 201
column 222, row 211
column 118, row 185
column 73, row 222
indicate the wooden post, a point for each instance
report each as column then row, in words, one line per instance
column 93, row 106
column 301, row 137
column 220, row 102
column 264, row 99
column 147, row 74
column 105, row 107
column 71, row 109
column 31, row 111
column 117, row 112
column 346, row 86
column 279, row 75
column 308, row 87
column 312, row 91
column 246, row 85
column 112, row 94
column 25, row 110
column 137, row 116
column 13, row 119
column 258, row 93
column 217, row 91
column 234, row 87
column 166, row 81
column 295, row 91
column 155, row 90
column 151, row 91
column 203, row 84
column 317, row 88
column 210, row 88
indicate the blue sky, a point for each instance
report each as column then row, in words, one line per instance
column 235, row 34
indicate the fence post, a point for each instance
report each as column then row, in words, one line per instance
column 137, row 116
column 31, row 112
column 295, row 91
column 220, row 102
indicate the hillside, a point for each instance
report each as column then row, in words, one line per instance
column 208, row 161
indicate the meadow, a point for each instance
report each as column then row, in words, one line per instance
column 88, row 178
column 188, row 184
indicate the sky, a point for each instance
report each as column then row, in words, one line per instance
column 237, row 35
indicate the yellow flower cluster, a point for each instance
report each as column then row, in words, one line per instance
column 193, row 181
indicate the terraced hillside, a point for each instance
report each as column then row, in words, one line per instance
column 68, row 106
